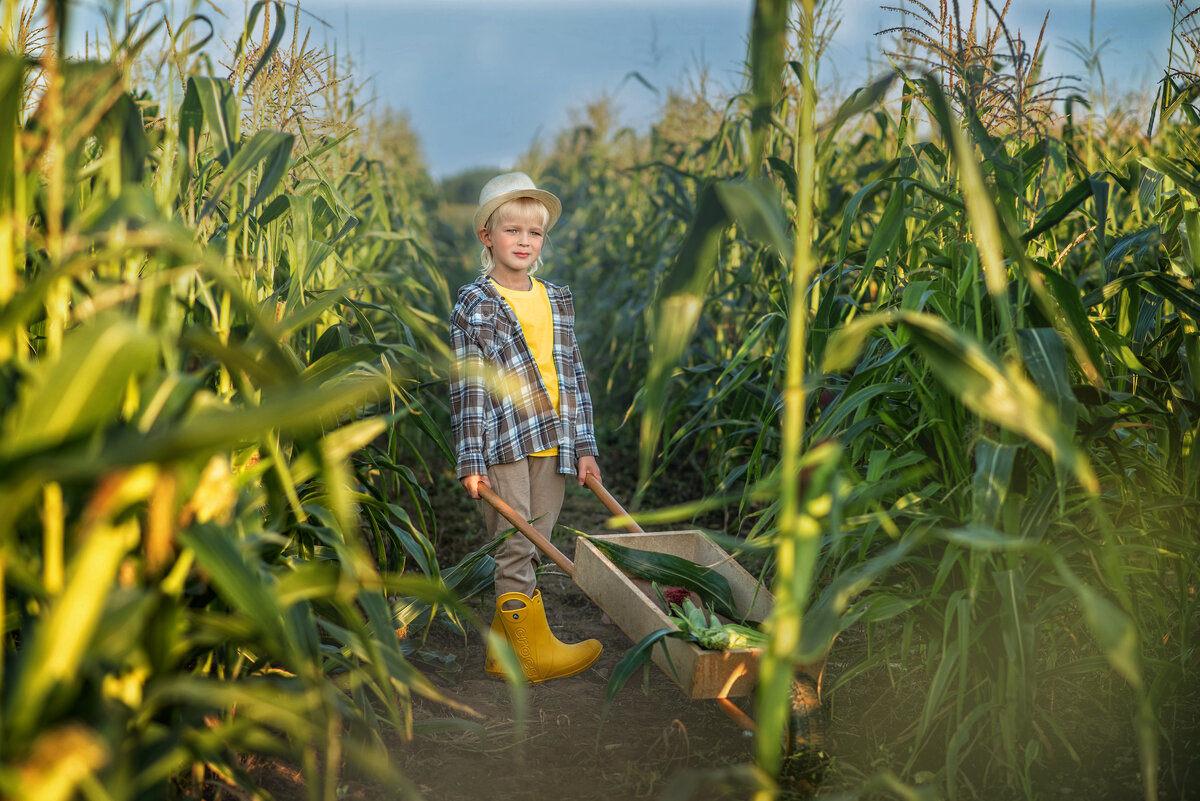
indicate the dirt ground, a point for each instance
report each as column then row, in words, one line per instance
column 652, row 740
column 655, row 743
column 566, row 748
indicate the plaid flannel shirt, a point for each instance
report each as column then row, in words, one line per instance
column 500, row 410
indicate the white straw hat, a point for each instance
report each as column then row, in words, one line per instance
column 503, row 188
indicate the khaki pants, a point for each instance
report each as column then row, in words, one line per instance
column 534, row 488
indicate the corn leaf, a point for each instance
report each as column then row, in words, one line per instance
column 993, row 472
column 271, row 147
column 219, row 104
column 78, row 392
column 670, row 570
column 638, row 657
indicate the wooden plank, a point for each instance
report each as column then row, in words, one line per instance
column 699, row 673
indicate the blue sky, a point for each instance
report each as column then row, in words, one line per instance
column 481, row 81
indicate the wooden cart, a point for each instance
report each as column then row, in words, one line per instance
column 700, row 673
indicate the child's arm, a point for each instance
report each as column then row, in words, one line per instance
column 585, row 434
column 468, row 394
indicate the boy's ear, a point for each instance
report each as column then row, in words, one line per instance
column 482, row 233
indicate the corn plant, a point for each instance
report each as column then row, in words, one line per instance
column 212, row 338
column 998, row 348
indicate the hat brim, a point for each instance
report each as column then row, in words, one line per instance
column 545, row 198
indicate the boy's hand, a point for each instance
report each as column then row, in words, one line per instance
column 472, row 484
column 586, row 466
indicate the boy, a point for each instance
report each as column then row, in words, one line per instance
column 520, row 409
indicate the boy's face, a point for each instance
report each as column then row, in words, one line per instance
column 515, row 244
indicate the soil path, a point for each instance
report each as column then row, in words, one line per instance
column 654, row 742
column 653, row 734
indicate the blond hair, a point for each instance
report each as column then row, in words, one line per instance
column 519, row 209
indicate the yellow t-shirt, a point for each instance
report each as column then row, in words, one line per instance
column 532, row 310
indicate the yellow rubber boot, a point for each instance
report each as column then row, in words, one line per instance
column 541, row 654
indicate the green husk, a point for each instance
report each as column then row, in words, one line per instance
column 710, row 633
column 670, row 570
column 694, row 625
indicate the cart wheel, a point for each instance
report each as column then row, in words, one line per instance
column 804, row 755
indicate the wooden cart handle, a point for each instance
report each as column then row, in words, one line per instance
column 531, row 534
column 611, row 504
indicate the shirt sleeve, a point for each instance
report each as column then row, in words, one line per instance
column 585, row 434
column 468, row 394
